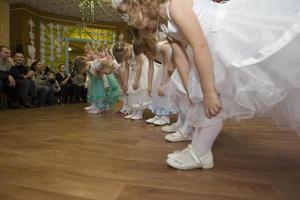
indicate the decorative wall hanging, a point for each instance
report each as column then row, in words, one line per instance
column 42, row 42
column 31, row 47
column 52, row 40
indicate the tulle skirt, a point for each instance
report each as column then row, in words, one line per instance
column 255, row 48
column 101, row 98
column 138, row 99
column 178, row 100
column 159, row 105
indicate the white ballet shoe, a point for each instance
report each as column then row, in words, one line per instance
column 91, row 107
column 152, row 120
column 162, row 121
column 88, row 108
column 178, row 136
column 205, row 162
column 136, row 117
column 170, row 128
column 128, row 116
column 173, row 155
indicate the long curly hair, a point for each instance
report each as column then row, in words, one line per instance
column 140, row 12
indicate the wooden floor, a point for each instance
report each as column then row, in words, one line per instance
column 62, row 153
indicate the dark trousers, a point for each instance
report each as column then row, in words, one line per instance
column 25, row 89
column 65, row 93
column 42, row 94
column 2, row 85
column 79, row 92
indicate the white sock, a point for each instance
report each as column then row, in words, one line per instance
column 204, row 138
column 186, row 129
column 139, row 113
column 134, row 113
column 125, row 104
column 180, row 119
column 166, row 118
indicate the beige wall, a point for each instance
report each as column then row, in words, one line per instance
column 20, row 13
column 4, row 23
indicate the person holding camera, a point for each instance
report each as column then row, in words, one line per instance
column 43, row 81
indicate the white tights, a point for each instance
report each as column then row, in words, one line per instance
column 203, row 140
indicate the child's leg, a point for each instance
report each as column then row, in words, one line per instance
column 173, row 127
column 183, row 133
column 205, row 137
column 125, row 104
column 198, row 154
column 138, row 115
column 131, row 115
column 162, row 120
column 180, row 119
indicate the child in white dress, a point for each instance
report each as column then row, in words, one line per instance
column 244, row 55
column 136, row 79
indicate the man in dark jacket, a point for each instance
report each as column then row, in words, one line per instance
column 25, row 87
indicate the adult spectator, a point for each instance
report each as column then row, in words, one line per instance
column 65, row 83
column 43, row 82
column 7, row 82
column 25, row 86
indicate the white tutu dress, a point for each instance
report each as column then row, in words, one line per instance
column 138, row 99
column 160, row 104
column 255, row 49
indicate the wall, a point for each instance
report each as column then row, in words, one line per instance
column 21, row 13
column 4, row 23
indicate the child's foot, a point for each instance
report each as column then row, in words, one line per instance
column 162, row 121
column 129, row 116
column 179, row 136
column 152, row 120
column 138, row 115
column 169, row 128
column 88, row 108
column 188, row 160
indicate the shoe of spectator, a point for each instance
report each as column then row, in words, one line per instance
column 14, row 105
column 2, row 108
column 25, row 103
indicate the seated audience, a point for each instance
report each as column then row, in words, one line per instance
column 6, row 80
column 65, row 83
column 43, row 83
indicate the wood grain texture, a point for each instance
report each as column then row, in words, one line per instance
column 64, row 153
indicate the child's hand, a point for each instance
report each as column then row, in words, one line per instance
column 212, row 104
column 161, row 91
column 135, row 85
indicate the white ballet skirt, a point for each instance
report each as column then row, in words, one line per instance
column 255, row 49
column 177, row 97
column 160, row 104
column 138, row 99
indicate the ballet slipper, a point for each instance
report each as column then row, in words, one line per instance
column 205, row 162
